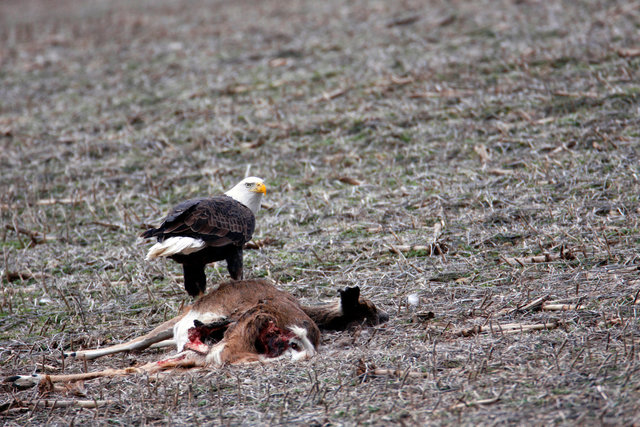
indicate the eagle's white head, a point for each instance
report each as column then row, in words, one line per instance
column 249, row 192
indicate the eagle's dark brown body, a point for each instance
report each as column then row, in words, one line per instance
column 222, row 223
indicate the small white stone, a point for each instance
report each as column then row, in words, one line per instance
column 413, row 299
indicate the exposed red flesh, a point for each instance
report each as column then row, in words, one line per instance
column 273, row 340
column 197, row 334
column 197, row 346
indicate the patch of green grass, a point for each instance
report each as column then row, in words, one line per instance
column 417, row 253
column 11, row 244
column 404, row 137
column 354, row 232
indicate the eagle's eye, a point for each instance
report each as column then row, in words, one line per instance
column 295, row 346
column 248, row 184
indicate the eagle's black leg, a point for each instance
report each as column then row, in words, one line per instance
column 234, row 264
column 195, row 280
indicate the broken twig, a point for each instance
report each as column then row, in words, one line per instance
column 366, row 371
column 475, row 403
column 507, row 328
column 561, row 307
column 12, row 276
column 431, row 249
column 35, row 236
column 328, row 96
column 534, row 305
column 521, row 261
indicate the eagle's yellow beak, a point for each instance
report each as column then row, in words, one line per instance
column 259, row 188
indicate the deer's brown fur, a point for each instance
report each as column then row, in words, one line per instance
column 238, row 322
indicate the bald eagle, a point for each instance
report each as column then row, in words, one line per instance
column 200, row 231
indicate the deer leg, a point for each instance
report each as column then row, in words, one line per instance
column 28, row 381
column 161, row 333
column 163, row 344
column 178, row 361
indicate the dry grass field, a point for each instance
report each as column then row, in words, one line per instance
column 473, row 166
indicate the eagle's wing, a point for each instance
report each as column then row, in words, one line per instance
column 217, row 221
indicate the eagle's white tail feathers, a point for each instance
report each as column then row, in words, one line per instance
column 175, row 245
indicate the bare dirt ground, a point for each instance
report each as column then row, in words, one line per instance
column 479, row 159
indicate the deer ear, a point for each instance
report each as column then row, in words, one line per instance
column 349, row 297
